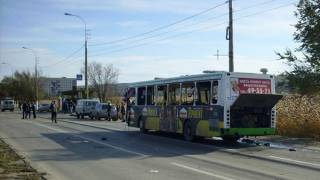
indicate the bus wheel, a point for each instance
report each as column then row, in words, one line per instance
column 187, row 132
column 78, row 116
column 141, row 126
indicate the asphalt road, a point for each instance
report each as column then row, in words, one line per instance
column 84, row 149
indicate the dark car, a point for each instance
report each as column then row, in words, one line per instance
column 44, row 108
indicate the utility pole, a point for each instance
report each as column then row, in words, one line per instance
column 86, row 65
column 85, row 52
column 229, row 36
column 36, row 81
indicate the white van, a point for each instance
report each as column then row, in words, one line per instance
column 85, row 107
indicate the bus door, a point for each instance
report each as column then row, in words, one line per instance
column 168, row 120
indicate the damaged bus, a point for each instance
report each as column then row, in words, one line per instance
column 224, row 104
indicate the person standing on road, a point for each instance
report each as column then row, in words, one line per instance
column 28, row 111
column 109, row 111
column 33, row 107
column 118, row 111
column 123, row 112
column 24, row 110
column 54, row 109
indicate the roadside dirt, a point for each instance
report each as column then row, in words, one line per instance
column 13, row 166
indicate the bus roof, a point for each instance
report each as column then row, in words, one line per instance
column 186, row 78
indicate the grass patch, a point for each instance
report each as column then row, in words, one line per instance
column 13, row 166
column 299, row 116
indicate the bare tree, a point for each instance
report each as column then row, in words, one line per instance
column 102, row 79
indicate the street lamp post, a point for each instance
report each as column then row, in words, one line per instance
column 86, row 53
column 36, row 73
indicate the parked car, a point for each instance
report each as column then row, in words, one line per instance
column 7, row 104
column 101, row 111
column 85, row 107
column 114, row 112
column 44, row 108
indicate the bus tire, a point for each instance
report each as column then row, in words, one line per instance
column 142, row 126
column 188, row 132
column 78, row 116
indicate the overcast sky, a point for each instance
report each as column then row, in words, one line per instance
column 261, row 27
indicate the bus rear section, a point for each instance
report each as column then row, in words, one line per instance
column 250, row 106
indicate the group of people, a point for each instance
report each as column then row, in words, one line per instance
column 26, row 110
column 68, row 106
column 28, row 107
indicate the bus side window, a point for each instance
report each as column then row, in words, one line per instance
column 203, row 89
column 162, row 95
column 188, row 93
column 150, row 95
column 141, row 95
column 174, row 94
column 215, row 94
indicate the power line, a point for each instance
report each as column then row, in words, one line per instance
column 181, row 34
column 64, row 59
column 211, row 18
column 161, row 27
column 267, row 10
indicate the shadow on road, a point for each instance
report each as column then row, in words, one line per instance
column 125, row 144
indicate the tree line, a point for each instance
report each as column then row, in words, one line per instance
column 305, row 60
column 22, row 85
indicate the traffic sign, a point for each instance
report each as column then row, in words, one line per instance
column 79, row 77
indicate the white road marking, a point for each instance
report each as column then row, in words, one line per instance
column 154, row 171
column 201, row 171
column 91, row 124
column 296, row 161
column 93, row 140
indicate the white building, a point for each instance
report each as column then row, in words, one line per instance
column 55, row 86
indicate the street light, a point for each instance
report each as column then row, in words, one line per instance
column 36, row 73
column 85, row 52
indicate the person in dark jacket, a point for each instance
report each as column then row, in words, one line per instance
column 54, row 109
column 28, row 111
column 33, row 108
column 123, row 112
column 24, row 110
column 109, row 111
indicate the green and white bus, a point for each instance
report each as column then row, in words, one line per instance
column 229, row 105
